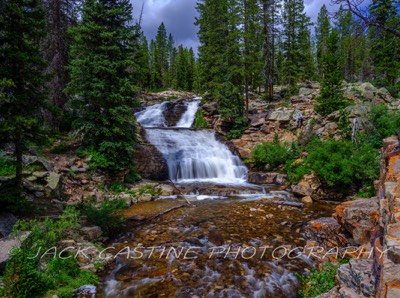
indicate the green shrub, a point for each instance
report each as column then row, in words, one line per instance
column 341, row 165
column 132, row 177
column 272, row 154
column 150, row 189
column 97, row 160
column 22, row 276
column 200, row 121
column 7, row 166
column 318, row 282
column 107, row 215
column 382, row 123
column 67, row 277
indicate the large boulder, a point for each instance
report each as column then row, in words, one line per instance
column 174, row 111
column 359, row 218
column 267, row 178
column 328, row 233
column 150, row 163
column 280, row 115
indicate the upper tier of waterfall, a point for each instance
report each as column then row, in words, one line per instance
column 191, row 155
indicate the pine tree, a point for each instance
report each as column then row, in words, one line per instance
column 322, row 30
column 191, row 70
column 101, row 54
column 161, row 55
column 221, row 58
column 385, row 45
column 296, row 43
column 60, row 16
column 22, row 27
column 331, row 97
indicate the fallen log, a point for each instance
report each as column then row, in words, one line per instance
column 160, row 214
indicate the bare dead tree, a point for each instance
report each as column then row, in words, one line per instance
column 355, row 7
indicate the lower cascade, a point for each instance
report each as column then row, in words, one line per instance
column 191, row 155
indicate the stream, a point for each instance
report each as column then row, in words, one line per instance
column 231, row 241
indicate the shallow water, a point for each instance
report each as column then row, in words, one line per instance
column 213, row 248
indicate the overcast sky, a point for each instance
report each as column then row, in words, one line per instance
column 179, row 16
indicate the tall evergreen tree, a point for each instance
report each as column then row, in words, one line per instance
column 385, row 45
column 322, row 30
column 101, row 83
column 60, row 15
column 331, row 97
column 296, row 42
column 161, row 55
column 22, row 27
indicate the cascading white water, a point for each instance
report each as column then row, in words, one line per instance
column 191, row 155
column 152, row 116
column 188, row 117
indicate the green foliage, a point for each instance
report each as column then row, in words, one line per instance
column 318, row 282
column 331, row 97
column 107, row 215
column 150, row 189
column 66, row 277
column 22, row 29
column 22, row 277
column 101, row 81
column 381, row 124
column 132, row 177
column 98, row 160
column 234, row 134
column 272, row 155
column 200, row 121
column 7, row 166
column 343, row 166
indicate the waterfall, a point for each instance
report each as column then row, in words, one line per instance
column 191, row 155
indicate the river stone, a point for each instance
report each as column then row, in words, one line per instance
column 35, row 160
column 305, row 91
column 280, row 115
column 91, row 233
column 53, row 180
column 40, row 174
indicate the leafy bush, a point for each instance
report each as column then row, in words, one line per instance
column 7, row 166
column 338, row 164
column 107, row 215
column 97, row 160
column 22, row 276
column 200, row 121
column 272, row 154
column 381, row 124
column 341, row 165
column 132, row 177
column 67, row 277
column 150, row 189
column 318, row 282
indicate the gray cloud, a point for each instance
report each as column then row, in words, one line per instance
column 179, row 16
